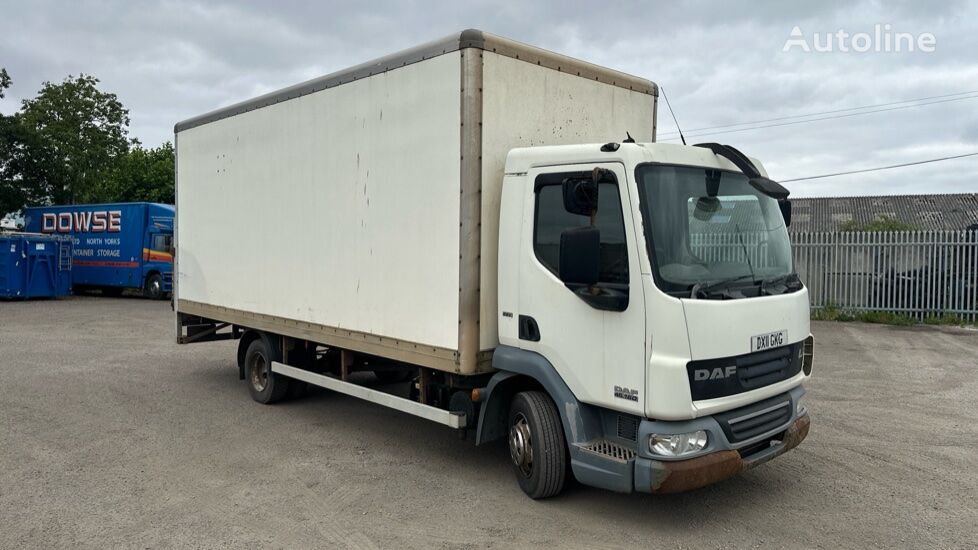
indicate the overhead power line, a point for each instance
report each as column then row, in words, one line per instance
column 789, row 117
column 879, row 168
column 822, row 118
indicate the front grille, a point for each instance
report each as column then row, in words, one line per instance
column 627, row 427
column 732, row 375
column 756, row 419
column 610, row 450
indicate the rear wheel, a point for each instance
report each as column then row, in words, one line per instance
column 153, row 288
column 264, row 385
column 536, row 444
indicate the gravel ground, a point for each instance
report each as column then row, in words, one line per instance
column 111, row 435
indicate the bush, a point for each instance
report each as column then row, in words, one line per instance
column 831, row 312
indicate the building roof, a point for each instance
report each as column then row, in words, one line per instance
column 941, row 212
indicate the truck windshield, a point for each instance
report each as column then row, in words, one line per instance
column 711, row 233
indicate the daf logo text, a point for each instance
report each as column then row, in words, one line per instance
column 625, row 393
column 717, row 373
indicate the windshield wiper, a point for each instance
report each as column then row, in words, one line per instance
column 781, row 284
column 705, row 290
column 743, row 246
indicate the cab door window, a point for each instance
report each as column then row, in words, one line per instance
column 551, row 219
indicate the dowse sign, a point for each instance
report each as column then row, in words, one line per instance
column 98, row 221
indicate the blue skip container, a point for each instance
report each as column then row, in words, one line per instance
column 34, row 266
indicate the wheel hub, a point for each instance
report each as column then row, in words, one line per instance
column 259, row 372
column 520, row 445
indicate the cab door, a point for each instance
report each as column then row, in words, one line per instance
column 595, row 336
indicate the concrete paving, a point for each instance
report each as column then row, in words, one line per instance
column 111, row 435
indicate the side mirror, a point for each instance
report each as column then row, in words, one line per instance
column 580, row 195
column 579, row 262
column 785, row 206
column 579, row 267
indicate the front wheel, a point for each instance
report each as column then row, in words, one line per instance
column 153, row 289
column 536, row 444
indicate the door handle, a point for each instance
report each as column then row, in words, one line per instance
column 529, row 330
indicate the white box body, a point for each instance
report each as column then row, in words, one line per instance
column 361, row 209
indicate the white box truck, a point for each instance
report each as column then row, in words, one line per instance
column 472, row 222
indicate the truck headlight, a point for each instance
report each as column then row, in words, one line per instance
column 673, row 445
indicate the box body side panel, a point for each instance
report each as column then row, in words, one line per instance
column 339, row 208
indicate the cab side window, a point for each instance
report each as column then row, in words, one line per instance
column 162, row 242
column 551, row 219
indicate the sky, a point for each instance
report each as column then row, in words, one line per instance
column 720, row 63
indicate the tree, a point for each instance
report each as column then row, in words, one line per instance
column 12, row 196
column 68, row 138
column 70, row 144
column 141, row 175
column 4, row 81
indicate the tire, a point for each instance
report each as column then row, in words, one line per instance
column 264, row 385
column 534, row 426
column 153, row 288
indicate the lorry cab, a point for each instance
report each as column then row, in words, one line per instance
column 158, row 250
column 656, row 281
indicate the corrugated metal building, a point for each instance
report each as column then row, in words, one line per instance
column 921, row 212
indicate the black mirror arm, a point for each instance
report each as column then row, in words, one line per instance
column 763, row 184
column 785, row 206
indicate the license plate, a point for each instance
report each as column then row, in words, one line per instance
column 769, row 340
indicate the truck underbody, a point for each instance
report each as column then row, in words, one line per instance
column 602, row 444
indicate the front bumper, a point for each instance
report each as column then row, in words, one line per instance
column 738, row 439
column 656, row 476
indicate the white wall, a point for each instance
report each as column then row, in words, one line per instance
column 526, row 105
column 338, row 208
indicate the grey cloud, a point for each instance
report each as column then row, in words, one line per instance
column 720, row 62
